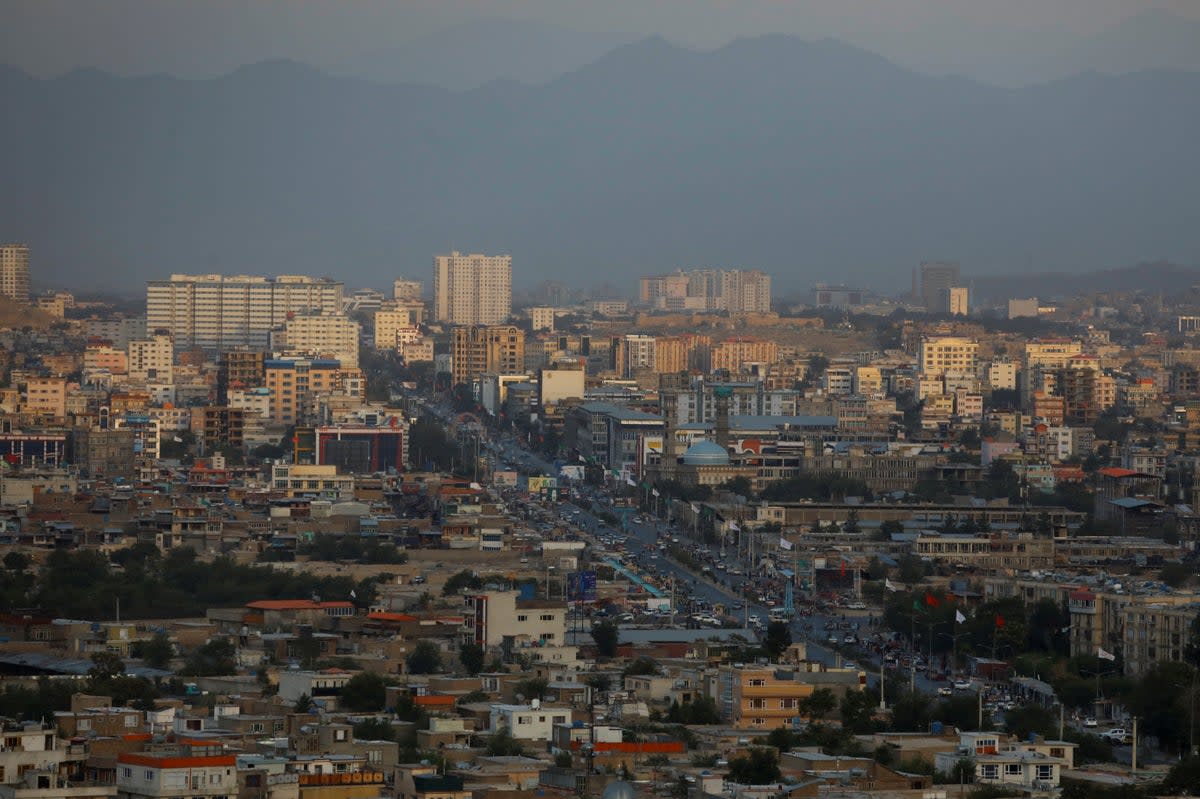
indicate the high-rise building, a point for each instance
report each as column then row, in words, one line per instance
column 938, row 277
column 732, row 290
column 405, row 289
column 957, row 301
column 14, row 272
column 151, row 359
column 479, row 349
column 215, row 312
column 472, row 289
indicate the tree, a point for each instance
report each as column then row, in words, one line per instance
column 472, row 656
column 819, row 704
column 759, row 766
column 851, row 525
column 1184, row 777
column 858, row 712
column 215, row 658
column 1026, row 719
column 425, row 658
column 503, row 744
column 374, row 729
column 463, row 579
column 777, row 639
column 16, row 561
column 105, row 667
column 157, row 652
column 599, row 682
column 1175, row 574
column 531, row 688
column 640, row 667
column 607, row 637
column 365, row 692
column 303, row 704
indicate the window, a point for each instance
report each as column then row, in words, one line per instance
column 522, row 719
column 1012, row 768
column 1045, row 772
column 989, row 772
column 522, row 617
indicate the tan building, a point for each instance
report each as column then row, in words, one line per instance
column 14, row 272
column 472, row 289
column 296, row 385
column 329, row 335
column 477, row 350
column 152, row 359
column 768, row 697
column 497, row 615
column 298, row 480
column 940, row 354
column 670, row 354
column 1015, row 551
column 389, row 323
column 45, row 396
column 406, row 289
column 731, row 354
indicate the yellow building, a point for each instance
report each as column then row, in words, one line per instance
column 941, row 354
column 732, row 353
column 479, row 349
column 760, row 697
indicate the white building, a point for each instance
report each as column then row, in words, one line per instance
column 404, row 288
column 541, row 317
column 196, row 772
column 640, row 352
column 389, row 322
column 530, row 722
column 472, row 289
column 561, row 384
column 14, row 272
column 218, row 312
column 497, row 615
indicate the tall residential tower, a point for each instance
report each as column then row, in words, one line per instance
column 14, row 272
column 472, row 289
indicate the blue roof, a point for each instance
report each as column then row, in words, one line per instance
column 706, row 453
column 1131, row 502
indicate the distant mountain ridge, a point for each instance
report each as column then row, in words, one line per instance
column 815, row 161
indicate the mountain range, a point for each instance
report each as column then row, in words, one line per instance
column 812, row 160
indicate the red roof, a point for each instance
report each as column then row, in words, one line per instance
column 427, row 700
column 379, row 616
column 1116, row 471
column 295, row 604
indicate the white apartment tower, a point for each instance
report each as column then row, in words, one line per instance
column 472, row 289
column 216, row 312
column 14, row 272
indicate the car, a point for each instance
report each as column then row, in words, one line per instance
column 944, row 691
column 419, row 579
column 1117, row 735
column 962, row 685
column 1090, row 721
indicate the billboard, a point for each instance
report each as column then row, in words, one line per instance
column 581, row 586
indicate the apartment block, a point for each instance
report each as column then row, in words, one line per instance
column 216, row 312
column 14, row 272
column 478, row 350
column 472, row 289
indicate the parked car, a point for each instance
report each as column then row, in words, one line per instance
column 1117, row 735
column 1090, row 721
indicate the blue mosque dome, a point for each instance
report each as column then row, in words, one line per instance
column 706, row 453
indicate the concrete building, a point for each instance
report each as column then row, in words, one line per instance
column 215, row 312
column 768, row 697
column 198, row 771
column 295, row 385
column 530, row 722
column 14, row 272
column 733, row 354
column 472, row 289
column 45, row 396
column 152, row 359
column 478, row 350
column 639, row 352
column 561, row 384
column 389, row 322
column 541, row 317
column 957, row 301
column 938, row 355
column 499, row 615
column 331, row 336
column 938, row 277
column 1023, row 308
column 404, row 288
column 733, row 290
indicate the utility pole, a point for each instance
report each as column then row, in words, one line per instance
column 1133, row 762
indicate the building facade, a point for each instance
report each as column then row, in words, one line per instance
column 472, row 289
column 14, row 272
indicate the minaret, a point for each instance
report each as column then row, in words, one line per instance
column 722, row 396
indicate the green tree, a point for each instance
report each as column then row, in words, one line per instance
column 911, row 712
column 472, row 656
column 1026, row 719
column 215, row 658
column 606, row 634
column 156, row 652
column 819, row 704
column 759, row 766
column 501, row 743
column 375, row 729
column 642, row 666
column 531, row 688
column 463, row 579
column 303, row 704
column 1184, row 777
column 365, row 692
column 425, row 658
column 105, row 667
column 777, row 639
column 858, row 712
column 16, row 561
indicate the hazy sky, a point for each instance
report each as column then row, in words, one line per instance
column 197, row 38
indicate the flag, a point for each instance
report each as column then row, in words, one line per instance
column 931, row 600
column 999, row 620
column 784, row 544
column 654, row 492
column 734, row 526
column 353, row 594
column 889, row 585
column 916, row 604
column 695, row 508
column 629, row 480
column 177, row 439
column 1105, row 655
column 959, row 617
column 843, row 571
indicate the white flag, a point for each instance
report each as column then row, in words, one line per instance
column 629, row 479
column 695, row 508
column 785, row 544
column 889, row 585
column 177, row 439
column 1105, row 655
column 654, row 491
column 959, row 617
column 353, row 595
column 734, row 526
